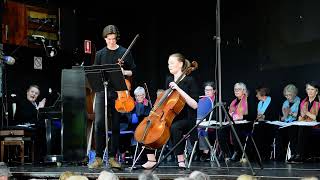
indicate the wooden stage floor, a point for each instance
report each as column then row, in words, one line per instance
column 169, row 170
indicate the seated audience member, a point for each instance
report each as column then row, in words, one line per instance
column 105, row 175
column 209, row 91
column 27, row 114
column 198, row 175
column 238, row 110
column 148, row 176
column 300, row 135
column 77, row 177
column 246, row 177
column 183, row 178
column 290, row 110
column 310, row 178
column 65, row 175
column 4, row 171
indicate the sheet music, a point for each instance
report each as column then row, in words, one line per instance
column 207, row 123
column 214, row 123
column 278, row 123
column 295, row 123
column 28, row 125
column 305, row 123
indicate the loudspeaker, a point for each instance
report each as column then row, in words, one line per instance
column 74, row 120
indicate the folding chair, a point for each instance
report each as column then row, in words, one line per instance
column 205, row 105
column 288, row 154
column 124, row 132
column 273, row 151
column 135, row 158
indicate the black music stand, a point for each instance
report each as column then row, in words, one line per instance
column 99, row 77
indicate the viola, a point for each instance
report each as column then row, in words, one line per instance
column 154, row 130
column 125, row 103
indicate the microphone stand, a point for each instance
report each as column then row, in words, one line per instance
column 4, row 98
column 219, row 104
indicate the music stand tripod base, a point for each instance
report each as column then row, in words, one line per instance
column 100, row 78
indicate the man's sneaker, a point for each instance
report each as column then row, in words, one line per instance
column 114, row 164
column 97, row 163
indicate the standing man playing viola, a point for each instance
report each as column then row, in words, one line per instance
column 109, row 55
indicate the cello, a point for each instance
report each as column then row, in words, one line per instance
column 125, row 103
column 154, row 130
column 90, row 98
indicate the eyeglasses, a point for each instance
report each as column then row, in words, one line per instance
column 208, row 89
column 139, row 95
column 237, row 89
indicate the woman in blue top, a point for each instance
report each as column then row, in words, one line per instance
column 290, row 109
column 290, row 106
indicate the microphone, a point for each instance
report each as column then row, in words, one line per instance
column 8, row 60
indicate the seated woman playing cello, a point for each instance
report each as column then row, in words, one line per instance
column 187, row 88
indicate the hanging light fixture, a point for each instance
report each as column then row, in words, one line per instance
column 51, row 51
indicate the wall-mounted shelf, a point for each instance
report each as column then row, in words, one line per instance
column 21, row 21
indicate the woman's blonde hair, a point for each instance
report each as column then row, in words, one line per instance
column 77, row 177
column 181, row 58
column 65, row 175
column 290, row 88
column 105, row 175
